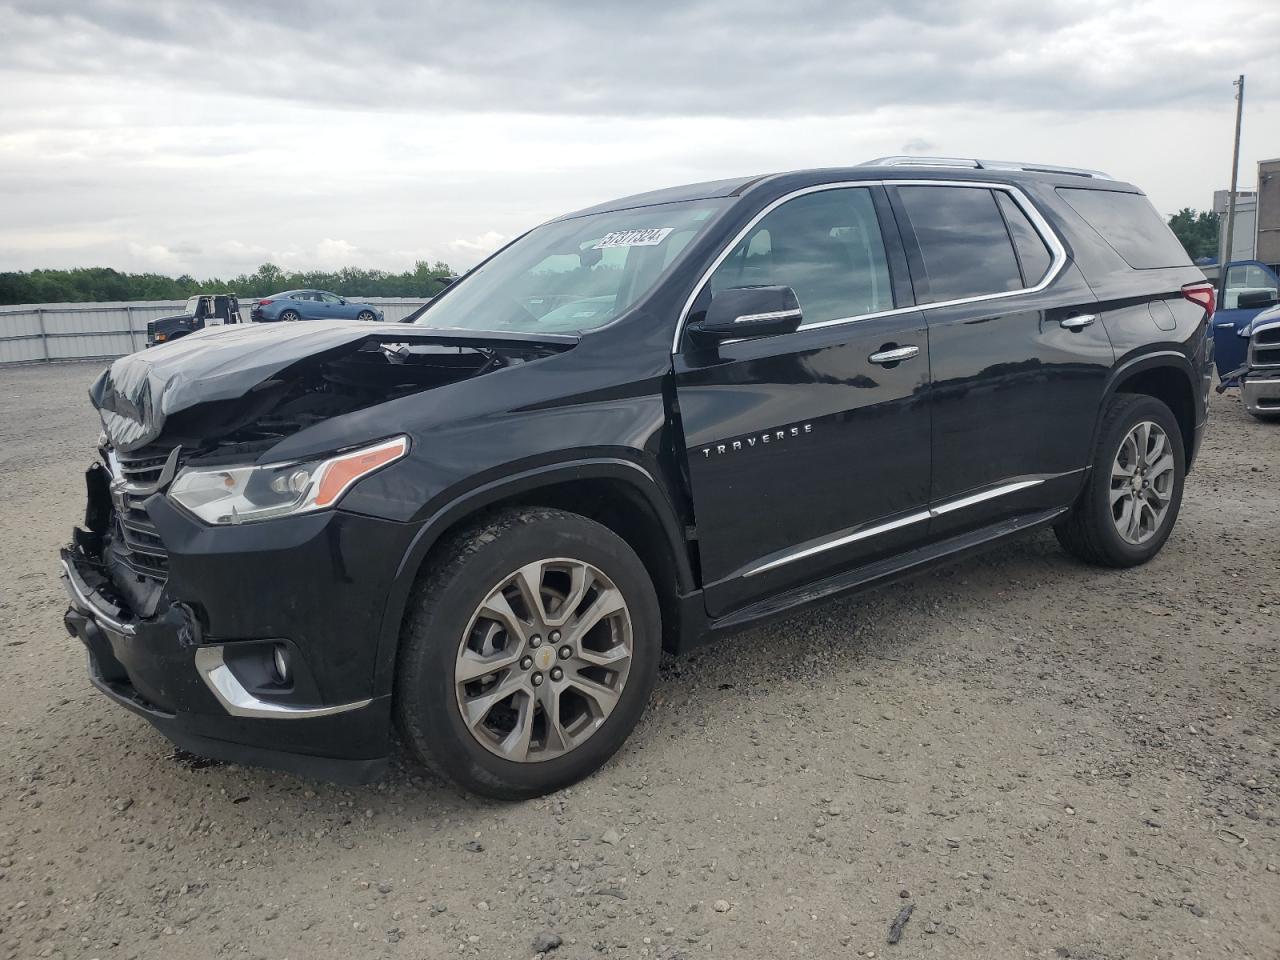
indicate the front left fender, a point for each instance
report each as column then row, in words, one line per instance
column 635, row 476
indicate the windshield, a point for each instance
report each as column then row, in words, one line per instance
column 191, row 306
column 573, row 275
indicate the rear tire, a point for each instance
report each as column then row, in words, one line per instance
column 458, row 657
column 1132, row 496
column 288, row 316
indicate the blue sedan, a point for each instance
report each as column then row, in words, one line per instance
column 311, row 305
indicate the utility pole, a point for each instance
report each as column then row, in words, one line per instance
column 1225, row 258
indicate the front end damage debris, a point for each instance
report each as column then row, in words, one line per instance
column 228, row 394
column 267, row 381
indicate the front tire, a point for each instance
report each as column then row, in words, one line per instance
column 1133, row 493
column 365, row 315
column 529, row 652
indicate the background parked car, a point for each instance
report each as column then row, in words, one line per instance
column 1259, row 376
column 1251, row 288
column 311, row 305
column 203, row 310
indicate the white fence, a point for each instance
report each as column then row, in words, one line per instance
column 45, row 332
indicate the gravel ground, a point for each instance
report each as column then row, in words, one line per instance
column 1043, row 759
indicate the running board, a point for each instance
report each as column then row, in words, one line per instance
column 891, row 568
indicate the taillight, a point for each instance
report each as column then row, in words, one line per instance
column 263, row 303
column 1201, row 293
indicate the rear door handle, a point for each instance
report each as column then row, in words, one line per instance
column 1078, row 322
column 896, row 355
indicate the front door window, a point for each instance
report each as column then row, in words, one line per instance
column 826, row 246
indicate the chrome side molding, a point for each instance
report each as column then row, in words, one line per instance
column 843, row 539
column 840, row 542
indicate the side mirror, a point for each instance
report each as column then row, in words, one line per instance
column 1256, row 298
column 740, row 313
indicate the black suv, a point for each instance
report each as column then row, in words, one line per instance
column 634, row 428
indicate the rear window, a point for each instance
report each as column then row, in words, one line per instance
column 1130, row 224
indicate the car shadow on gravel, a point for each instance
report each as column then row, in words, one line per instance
column 845, row 634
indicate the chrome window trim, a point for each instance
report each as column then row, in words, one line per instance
column 1038, row 222
column 948, row 506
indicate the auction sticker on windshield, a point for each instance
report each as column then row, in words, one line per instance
column 648, row 237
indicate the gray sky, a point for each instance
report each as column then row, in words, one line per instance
column 209, row 136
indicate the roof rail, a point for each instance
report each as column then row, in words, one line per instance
column 970, row 164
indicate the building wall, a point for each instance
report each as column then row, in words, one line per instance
column 1244, row 229
column 1268, row 220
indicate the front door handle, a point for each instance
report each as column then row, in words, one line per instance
column 1078, row 322
column 896, row 355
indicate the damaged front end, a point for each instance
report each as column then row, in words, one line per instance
column 229, row 394
column 183, row 613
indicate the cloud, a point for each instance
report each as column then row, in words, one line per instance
column 211, row 136
column 333, row 254
column 918, row 146
column 483, row 244
column 664, row 57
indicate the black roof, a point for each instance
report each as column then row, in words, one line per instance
column 795, row 179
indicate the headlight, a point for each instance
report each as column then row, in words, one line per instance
column 242, row 494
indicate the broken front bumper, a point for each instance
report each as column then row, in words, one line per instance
column 200, row 669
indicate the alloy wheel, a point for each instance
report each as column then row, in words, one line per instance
column 1142, row 479
column 544, row 660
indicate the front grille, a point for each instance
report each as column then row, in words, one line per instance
column 1264, row 357
column 1264, row 347
column 137, row 544
column 142, row 468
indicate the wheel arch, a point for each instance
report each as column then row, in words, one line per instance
column 1169, row 378
column 620, row 494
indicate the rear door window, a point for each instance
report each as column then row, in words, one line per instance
column 1130, row 225
column 963, row 241
column 1033, row 253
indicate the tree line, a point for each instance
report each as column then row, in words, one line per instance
column 1197, row 230
column 105, row 285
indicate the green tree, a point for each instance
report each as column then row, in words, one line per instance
column 104, row 284
column 1198, row 232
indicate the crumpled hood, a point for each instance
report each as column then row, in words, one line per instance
column 136, row 394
